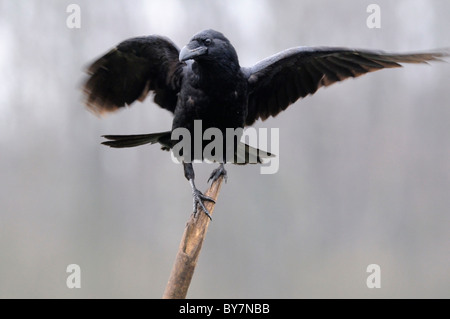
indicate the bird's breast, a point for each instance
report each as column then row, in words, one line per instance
column 221, row 109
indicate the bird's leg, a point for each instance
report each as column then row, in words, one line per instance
column 219, row 171
column 197, row 196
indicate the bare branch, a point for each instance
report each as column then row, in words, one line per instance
column 190, row 246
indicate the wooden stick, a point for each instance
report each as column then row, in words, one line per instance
column 190, row 246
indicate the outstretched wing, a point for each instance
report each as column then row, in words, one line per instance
column 280, row 80
column 129, row 71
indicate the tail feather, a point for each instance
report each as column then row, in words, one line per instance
column 244, row 153
column 121, row 141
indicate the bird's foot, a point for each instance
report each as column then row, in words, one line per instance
column 198, row 199
column 220, row 171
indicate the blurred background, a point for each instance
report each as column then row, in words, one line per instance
column 364, row 172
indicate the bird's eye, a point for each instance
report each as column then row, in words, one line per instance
column 207, row 41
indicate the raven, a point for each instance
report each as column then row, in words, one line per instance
column 204, row 81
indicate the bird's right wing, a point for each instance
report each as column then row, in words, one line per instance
column 280, row 80
column 129, row 71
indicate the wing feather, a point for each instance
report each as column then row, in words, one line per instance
column 130, row 71
column 280, row 80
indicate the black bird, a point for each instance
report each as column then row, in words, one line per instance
column 205, row 82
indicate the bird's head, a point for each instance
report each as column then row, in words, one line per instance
column 209, row 46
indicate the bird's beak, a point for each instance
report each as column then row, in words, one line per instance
column 188, row 53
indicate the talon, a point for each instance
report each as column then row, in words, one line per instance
column 220, row 171
column 198, row 199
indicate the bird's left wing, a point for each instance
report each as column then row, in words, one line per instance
column 280, row 80
column 129, row 71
